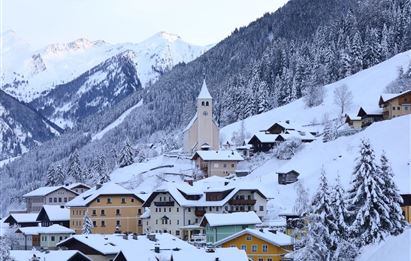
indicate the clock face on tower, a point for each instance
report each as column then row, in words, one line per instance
column 205, row 113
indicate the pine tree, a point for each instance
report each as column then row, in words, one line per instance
column 101, row 169
column 369, row 216
column 330, row 132
column 74, row 171
column 87, row 225
column 340, row 210
column 51, row 176
column 391, row 191
column 5, row 250
column 59, row 174
column 126, row 156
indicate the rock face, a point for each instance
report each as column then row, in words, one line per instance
column 93, row 91
column 21, row 127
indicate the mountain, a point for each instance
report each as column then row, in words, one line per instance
column 29, row 74
column 95, row 90
column 21, row 127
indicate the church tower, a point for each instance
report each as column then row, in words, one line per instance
column 202, row 132
column 205, row 118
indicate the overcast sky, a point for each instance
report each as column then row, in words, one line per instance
column 200, row 22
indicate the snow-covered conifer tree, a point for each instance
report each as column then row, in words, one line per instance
column 369, row 216
column 101, row 169
column 59, row 174
column 87, row 225
column 330, row 132
column 51, row 176
column 126, row 156
column 74, row 171
column 390, row 190
column 340, row 210
column 5, row 250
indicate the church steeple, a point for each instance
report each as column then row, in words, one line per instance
column 204, row 93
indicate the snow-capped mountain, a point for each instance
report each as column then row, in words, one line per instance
column 93, row 91
column 21, row 127
column 29, row 73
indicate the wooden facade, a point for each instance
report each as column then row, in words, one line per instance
column 289, row 177
column 397, row 105
column 406, row 206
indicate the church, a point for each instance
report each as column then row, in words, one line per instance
column 202, row 132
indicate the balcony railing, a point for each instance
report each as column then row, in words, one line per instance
column 242, row 202
column 164, row 203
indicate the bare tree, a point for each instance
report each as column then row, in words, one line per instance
column 342, row 97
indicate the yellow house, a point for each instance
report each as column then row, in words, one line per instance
column 406, row 206
column 110, row 207
column 395, row 105
column 259, row 244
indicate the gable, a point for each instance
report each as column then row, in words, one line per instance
column 73, row 244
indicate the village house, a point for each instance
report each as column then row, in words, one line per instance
column 259, row 244
column 163, row 247
column 394, row 105
column 178, row 208
column 277, row 133
column 44, row 237
column 111, row 208
column 406, row 206
column 217, row 162
column 22, row 219
column 202, row 131
column 53, row 214
column 220, row 226
column 56, row 195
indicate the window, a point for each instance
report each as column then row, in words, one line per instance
column 132, row 200
column 94, row 212
column 254, row 248
column 61, row 238
column 232, row 165
column 393, row 108
column 65, row 199
column 398, row 108
column 102, row 212
column 225, row 165
column 248, row 238
column 139, row 211
column 55, row 200
column 50, row 200
column 265, row 248
column 269, row 259
column 260, row 259
column 139, row 222
column 103, row 223
column 261, row 208
column 178, row 222
column 161, row 199
column 108, row 200
column 156, row 222
column 202, row 103
column 159, row 209
column 177, row 232
column 165, row 209
column 94, row 224
column 98, row 200
column 189, row 209
column 178, row 209
column 210, row 208
column 123, row 201
column 60, row 200
column 207, row 103
column 244, row 247
column 117, row 212
column 118, row 223
column 53, row 238
column 169, row 209
column 189, row 222
column 406, row 108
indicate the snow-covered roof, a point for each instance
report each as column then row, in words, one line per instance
column 265, row 137
column 286, row 125
column 24, row 217
column 44, row 191
column 56, row 255
column 218, row 155
column 204, row 93
column 201, row 187
column 303, row 135
column 389, row 96
column 229, row 219
column 74, row 185
column 53, row 229
column 371, row 110
column 277, row 238
column 169, row 246
column 109, row 188
column 56, row 213
column 190, row 123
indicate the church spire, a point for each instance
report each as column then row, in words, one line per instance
column 204, row 93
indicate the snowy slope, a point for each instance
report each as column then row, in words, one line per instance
column 366, row 87
column 27, row 73
column 396, row 248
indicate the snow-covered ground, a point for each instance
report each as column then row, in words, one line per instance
column 396, row 248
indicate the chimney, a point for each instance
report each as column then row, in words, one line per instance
column 287, row 121
column 157, row 248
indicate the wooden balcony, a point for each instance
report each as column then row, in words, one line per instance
column 164, row 203
column 199, row 212
column 242, row 202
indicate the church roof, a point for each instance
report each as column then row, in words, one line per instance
column 204, row 93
